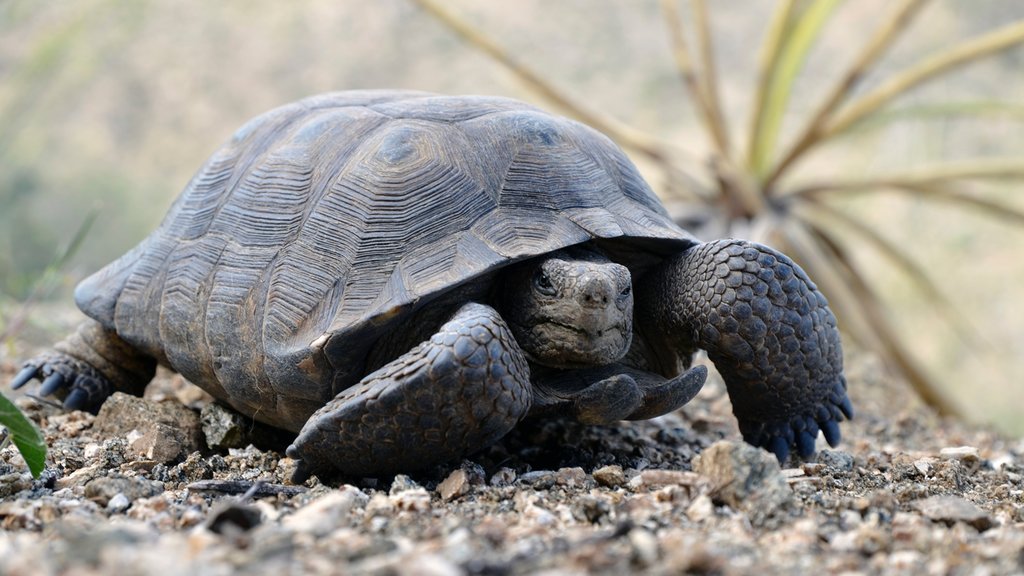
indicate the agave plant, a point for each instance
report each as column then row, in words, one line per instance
column 751, row 186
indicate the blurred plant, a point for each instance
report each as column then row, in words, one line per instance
column 14, row 426
column 46, row 281
column 751, row 191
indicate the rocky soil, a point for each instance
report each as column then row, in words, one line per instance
column 172, row 484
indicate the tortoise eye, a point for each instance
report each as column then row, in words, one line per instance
column 543, row 283
column 626, row 291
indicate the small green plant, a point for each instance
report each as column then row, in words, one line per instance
column 749, row 185
column 26, row 437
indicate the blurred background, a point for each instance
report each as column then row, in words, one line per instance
column 107, row 107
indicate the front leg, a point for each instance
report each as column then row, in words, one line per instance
column 769, row 332
column 449, row 396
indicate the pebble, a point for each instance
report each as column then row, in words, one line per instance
column 454, row 486
column 645, row 547
column 836, row 460
column 610, row 476
column 700, row 509
column 539, row 479
column 570, row 477
column 158, row 431
column 119, row 503
column 966, row 455
column 102, row 490
column 745, row 478
column 323, row 515
column 222, row 428
column 953, row 509
column 503, row 477
column 415, row 499
column 658, row 478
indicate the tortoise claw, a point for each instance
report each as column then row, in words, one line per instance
column 76, row 381
column 51, row 384
column 830, row 428
column 25, row 376
column 78, row 399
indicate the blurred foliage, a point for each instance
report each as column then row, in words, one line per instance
column 110, row 105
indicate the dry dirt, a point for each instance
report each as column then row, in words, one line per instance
column 138, row 490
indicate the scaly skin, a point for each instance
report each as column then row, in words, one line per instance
column 456, row 393
column 87, row 367
column 767, row 329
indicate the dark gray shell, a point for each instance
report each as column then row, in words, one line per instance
column 323, row 223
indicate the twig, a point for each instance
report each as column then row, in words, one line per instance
column 873, row 50
column 247, row 489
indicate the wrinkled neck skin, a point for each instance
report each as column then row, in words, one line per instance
column 569, row 309
column 667, row 313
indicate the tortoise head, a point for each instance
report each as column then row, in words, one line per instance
column 569, row 309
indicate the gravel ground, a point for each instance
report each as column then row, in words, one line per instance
column 171, row 484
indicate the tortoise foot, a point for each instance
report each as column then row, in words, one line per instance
column 80, row 385
column 449, row 396
column 798, row 433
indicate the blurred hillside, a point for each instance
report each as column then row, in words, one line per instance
column 108, row 106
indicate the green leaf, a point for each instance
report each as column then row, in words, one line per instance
column 797, row 45
column 25, row 436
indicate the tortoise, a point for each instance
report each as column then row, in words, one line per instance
column 401, row 277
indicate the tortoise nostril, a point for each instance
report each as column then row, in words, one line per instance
column 596, row 292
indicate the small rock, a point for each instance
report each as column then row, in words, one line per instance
column 966, row 455
column 610, row 476
column 591, row 508
column 645, row 547
column 454, row 486
column 745, row 478
column 401, row 483
column 159, row 431
column 924, row 466
column 836, row 459
column 326, row 513
column 953, row 509
column 408, row 495
column 655, row 478
column 119, row 503
column 700, row 509
column 570, row 477
column 102, row 490
column 13, row 483
column 222, row 427
column 539, row 479
column 503, row 477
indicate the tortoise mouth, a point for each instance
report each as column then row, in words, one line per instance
column 558, row 344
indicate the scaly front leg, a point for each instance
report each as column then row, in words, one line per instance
column 769, row 332
column 449, row 396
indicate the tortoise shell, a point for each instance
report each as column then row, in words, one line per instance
column 325, row 223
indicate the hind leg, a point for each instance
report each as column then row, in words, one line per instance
column 87, row 367
column 453, row 394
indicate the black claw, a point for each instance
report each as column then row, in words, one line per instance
column 27, row 373
column 805, row 443
column 52, row 383
column 76, row 400
column 847, row 407
column 831, row 430
column 780, row 447
column 302, row 470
